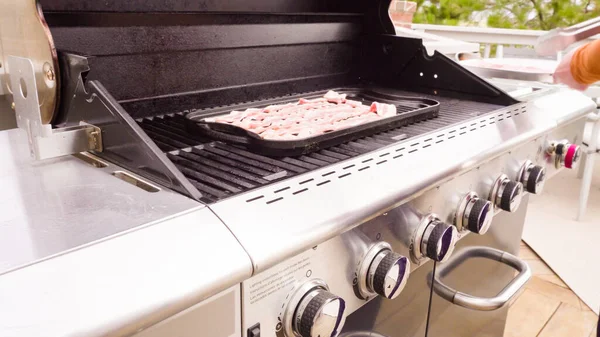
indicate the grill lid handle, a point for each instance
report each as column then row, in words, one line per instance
column 481, row 303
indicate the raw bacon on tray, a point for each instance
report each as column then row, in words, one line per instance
column 307, row 117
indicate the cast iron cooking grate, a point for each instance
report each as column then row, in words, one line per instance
column 219, row 170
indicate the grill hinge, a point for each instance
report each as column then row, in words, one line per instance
column 44, row 141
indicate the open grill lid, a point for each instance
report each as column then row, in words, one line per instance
column 122, row 61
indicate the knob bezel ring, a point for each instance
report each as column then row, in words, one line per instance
column 297, row 295
column 522, row 176
column 365, row 264
column 416, row 253
column 461, row 211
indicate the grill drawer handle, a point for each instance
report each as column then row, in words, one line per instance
column 482, row 303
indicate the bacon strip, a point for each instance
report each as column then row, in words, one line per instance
column 307, row 117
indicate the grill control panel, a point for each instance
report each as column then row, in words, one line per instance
column 312, row 293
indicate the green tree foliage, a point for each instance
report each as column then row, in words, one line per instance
column 520, row 14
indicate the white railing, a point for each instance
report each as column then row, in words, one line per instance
column 487, row 37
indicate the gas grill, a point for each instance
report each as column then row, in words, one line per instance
column 316, row 244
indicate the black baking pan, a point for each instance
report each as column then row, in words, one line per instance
column 409, row 110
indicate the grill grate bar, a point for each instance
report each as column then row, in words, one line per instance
column 209, row 181
column 232, row 163
column 336, row 155
column 317, row 162
column 225, row 168
column 305, row 166
column 324, row 158
column 166, row 133
column 166, row 140
column 273, row 165
column 233, row 181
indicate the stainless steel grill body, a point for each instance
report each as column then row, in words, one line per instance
column 270, row 244
column 375, row 207
column 339, row 197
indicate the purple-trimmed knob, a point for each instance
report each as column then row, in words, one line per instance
column 439, row 240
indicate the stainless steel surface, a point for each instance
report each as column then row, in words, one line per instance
column 129, row 282
column 475, row 302
column 44, row 140
column 479, row 277
column 51, row 207
column 359, row 189
column 24, row 33
column 560, row 38
column 338, row 261
column 218, row 316
column 361, row 334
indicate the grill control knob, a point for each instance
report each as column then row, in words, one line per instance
column 533, row 177
column 313, row 311
column 566, row 154
column 435, row 239
column 570, row 154
column 506, row 194
column 382, row 272
column 474, row 214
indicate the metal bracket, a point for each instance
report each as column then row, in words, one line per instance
column 44, row 141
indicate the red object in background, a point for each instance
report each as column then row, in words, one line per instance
column 402, row 12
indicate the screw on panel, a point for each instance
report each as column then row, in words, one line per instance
column 12, row 105
column 50, row 74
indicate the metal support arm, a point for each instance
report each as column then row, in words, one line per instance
column 45, row 141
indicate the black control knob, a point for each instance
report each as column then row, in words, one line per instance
column 388, row 274
column 474, row 214
column 506, row 194
column 319, row 313
column 438, row 240
column 479, row 215
column 533, row 178
column 509, row 196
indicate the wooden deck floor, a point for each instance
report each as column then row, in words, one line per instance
column 547, row 307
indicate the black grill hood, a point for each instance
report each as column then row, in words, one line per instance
column 146, row 58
